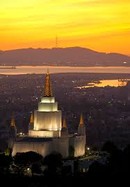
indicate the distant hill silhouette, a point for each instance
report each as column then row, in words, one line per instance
column 71, row 56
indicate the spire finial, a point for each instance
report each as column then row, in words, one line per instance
column 47, row 87
column 12, row 124
column 81, row 122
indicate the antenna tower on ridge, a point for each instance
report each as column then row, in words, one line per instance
column 56, row 42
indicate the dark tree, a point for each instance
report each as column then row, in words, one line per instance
column 27, row 158
column 115, row 159
column 126, row 158
column 53, row 162
column 5, row 162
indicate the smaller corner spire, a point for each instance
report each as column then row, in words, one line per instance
column 64, row 123
column 81, row 122
column 47, row 87
column 31, row 119
column 12, row 124
column 64, row 130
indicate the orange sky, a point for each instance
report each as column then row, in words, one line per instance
column 102, row 25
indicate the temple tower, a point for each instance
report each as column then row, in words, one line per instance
column 47, row 118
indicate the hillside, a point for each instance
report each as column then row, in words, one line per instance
column 72, row 56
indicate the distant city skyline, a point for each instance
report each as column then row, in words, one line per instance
column 102, row 25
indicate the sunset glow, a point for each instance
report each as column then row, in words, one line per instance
column 102, row 25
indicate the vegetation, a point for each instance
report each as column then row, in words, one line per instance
column 51, row 170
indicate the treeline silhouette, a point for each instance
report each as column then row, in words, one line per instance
column 115, row 170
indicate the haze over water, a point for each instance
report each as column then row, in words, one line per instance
column 62, row 69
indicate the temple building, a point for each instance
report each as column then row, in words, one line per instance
column 47, row 131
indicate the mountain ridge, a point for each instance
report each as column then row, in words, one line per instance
column 69, row 56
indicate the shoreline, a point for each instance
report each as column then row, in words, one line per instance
column 16, row 70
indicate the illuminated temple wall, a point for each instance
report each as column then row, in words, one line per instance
column 42, row 148
column 42, row 133
column 79, row 144
column 47, row 117
column 61, row 145
column 47, row 120
column 47, row 104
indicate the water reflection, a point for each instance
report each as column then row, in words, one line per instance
column 62, row 69
column 104, row 83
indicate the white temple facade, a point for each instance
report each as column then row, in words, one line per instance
column 47, row 133
column 47, row 119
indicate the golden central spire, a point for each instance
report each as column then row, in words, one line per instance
column 47, row 87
